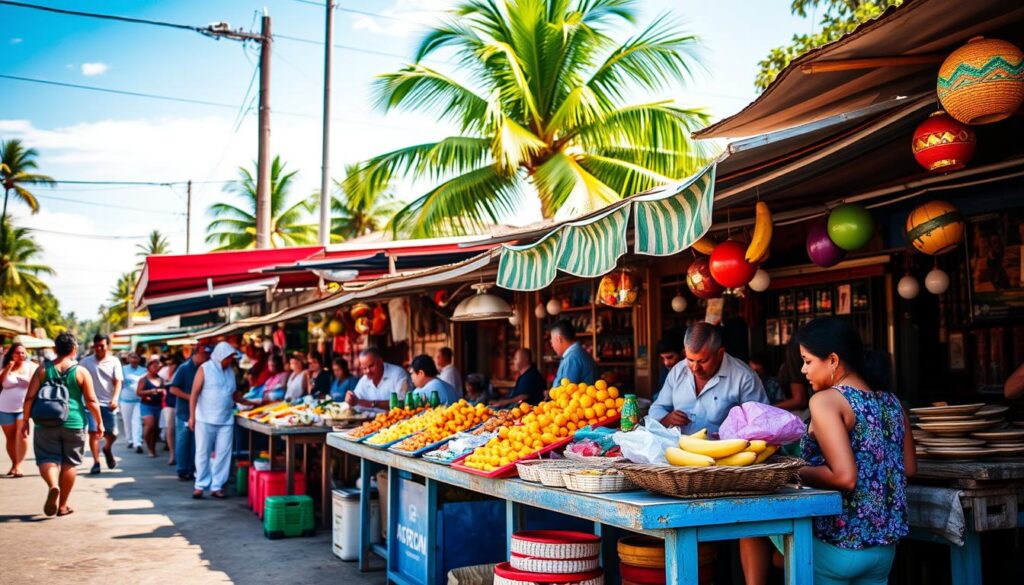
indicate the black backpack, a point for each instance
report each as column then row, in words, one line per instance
column 51, row 404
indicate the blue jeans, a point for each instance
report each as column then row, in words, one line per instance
column 184, row 448
column 843, row 566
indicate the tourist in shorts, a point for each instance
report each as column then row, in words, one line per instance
column 14, row 378
column 107, row 378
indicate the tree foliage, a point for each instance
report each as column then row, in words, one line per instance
column 155, row 245
column 359, row 209
column 17, row 166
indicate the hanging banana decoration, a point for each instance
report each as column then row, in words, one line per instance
column 760, row 243
column 705, row 245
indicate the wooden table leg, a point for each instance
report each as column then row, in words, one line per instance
column 289, row 467
column 799, row 552
column 681, row 559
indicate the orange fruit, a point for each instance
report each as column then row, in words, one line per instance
column 611, row 412
column 601, row 385
column 613, row 392
column 592, row 422
column 564, row 382
column 524, row 408
column 586, row 401
column 619, row 402
column 591, row 392
column 601, row 396
column 589, row 414
column 600, row 409
column 610, row 403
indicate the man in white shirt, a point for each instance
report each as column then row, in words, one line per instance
column 107, row 378
column 700, row 390
column 373, row 391
column 448, row 372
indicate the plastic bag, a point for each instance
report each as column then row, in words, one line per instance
column 647, row 444
column 754, row 420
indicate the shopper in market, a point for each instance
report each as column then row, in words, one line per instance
column 167, row 414
column 274, row 388
column 858, row 443
column 212, row 402
column 530, row 384
column 478, row 391
column 701, row 389
column 344, row 381
column 59, row 449
column 151, row 389
column 670, row 351
column 297, row 378
column 318, row 379
column 128, row 402
column 14, row 379
column 181, row 387
column 577, row 364
column 449, row 373
column 107, row 379
column 426, row 380
column 373, row 391
column 793, row 383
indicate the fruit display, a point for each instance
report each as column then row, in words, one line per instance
column 451, row 420
column 571, row 407
column 697, row 451
column 383, row 420
column 757, row 251
column 500, row 418
column 405, row 427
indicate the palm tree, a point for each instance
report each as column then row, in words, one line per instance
column 234, row 228
column 544, row 110
column 121, row 300
column 361, row 208
column 16, row 164
column 156, row 244
column 20, row 271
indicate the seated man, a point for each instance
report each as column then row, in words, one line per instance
column 700, row 390
column 530, row 383
column 373, row 391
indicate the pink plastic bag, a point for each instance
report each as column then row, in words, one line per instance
column 754, row 420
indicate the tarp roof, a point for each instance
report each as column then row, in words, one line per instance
column 917, row 27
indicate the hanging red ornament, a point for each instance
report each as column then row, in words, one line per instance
column 728, row 265
column 943, row 144
column 700, row 281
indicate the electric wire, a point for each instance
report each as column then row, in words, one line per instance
column 189, row 27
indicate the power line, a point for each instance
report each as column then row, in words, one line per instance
column 120, row 91
column 92, row 236
column 109, row 205
column 360, row 12
column 139, row 183
column 340, row 46
column 199, row 29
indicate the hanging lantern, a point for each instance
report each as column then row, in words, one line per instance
column 850, row 226
column 554, row 306
column 942, row 144
column 982, row 82
column 728, row 265
column 362, row 325
column 379, row 321
column 936, row 281
column 540, row 311
column 619, row 289
column 482, row 306
column 935, row 227
column 679, row 303
column 515, row 319
column 360, row 310
column 908, row 287
column 820, row 248
column 334, row 327
column 761, row 281
column 700, row 281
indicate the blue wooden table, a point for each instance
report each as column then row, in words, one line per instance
column 682, row 523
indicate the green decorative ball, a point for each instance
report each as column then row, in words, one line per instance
column 850, row 226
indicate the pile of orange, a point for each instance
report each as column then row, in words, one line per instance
column 383, row 420
column 448, row 421
column 571, row 407
column 501, row 418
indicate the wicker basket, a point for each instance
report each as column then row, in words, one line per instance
column 578, row 481
column 710, row 482
column 551, row 474
column 528, row 470
column 557, row 566
column 592, row 460
column 555, row 544
column 981, row 82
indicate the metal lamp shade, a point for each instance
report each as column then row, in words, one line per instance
column 482, row 306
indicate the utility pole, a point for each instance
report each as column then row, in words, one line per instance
column 188, row 219
column 325, row 179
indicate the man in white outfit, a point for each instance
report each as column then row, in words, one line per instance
column 131, row 413
column 211, row 405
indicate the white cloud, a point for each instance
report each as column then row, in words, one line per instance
column 93, row 69
column 15, row 40
column 407, row 17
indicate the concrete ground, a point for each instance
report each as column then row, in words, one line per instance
column 138, row 524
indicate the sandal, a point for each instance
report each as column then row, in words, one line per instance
column 197, row 494
column 67, row 511
column 219, row 494
column 50, row 507
column 16, row 474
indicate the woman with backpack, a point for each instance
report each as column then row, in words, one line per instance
column 14, row 377
column 57, row 399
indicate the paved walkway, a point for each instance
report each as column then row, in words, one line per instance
column 138, row 524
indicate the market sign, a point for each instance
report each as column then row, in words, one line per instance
column 666, row 223
column 410, row 555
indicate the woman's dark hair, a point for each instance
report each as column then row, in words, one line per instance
column 278, row 362
column 9, row 356
column 827, row 335
column 315, row 356
column 65, row 343
column 343, row 364
column 424, row 363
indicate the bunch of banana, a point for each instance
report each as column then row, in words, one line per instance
column 757, row 251
column 697, row 451
column 705, row 245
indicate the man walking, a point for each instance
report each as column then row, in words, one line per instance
column 214, row 393
column 131, row 412
column 107, row 378
column 181, row 388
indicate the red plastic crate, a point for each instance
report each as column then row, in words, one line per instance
column 273, row 483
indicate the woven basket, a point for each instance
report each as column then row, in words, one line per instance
column 982, row 81
column 592, row 460
column 551, row 474
column 560, row 566
column 528, row 470
column 573, row 545
column 596, row 484
column 711, row 482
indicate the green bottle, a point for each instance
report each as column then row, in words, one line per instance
column 410, row 400
column 630, row 413
column 435, row 399
column 394, row 403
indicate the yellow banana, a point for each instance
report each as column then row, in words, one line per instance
column 757, row 445
column 714, row 449
column 701, row 434
column 705, row 245
column 757, row 251
column 687, row 459
column 741, row 459
column 768, row 452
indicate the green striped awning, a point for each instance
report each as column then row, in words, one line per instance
column 592, row 249
column 530, row 266
column 669, row 224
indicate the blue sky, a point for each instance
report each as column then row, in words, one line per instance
column 83, row 135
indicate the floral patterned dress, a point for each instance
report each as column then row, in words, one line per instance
column 875, row 512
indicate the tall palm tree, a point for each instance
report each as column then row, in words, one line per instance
column 20, row 270
column 360, row 208
column 121, row 299
column 542, row 102
column 234, row 227
column 154, row 246
column 16, row 166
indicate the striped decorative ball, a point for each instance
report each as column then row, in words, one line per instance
column 943, row 144
column 983, row 81
column 935, row 227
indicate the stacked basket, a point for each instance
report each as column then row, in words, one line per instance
column 552, row 556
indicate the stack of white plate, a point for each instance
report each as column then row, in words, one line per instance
column 965, row 431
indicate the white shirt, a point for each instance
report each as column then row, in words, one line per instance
column 395, row 379
column 15, row 387
column 296, row 386
column 451, row 375
column 216, row 400
column 733, row 384
column 104, row 372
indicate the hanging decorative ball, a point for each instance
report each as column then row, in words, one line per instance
column 379, row 320
column 908, row 287
column 334, row 327
column 441, row 297
column 362, row 325
column 936, row 281
column 554, row 306
column 515, row 319
column 935, row 227
column 679, row 303
column 761, row 281
column 540, row 311
column 700, row 281
column 360, row 310
column 982, row 82
column 850, row 226
column 619, row 289
column 729, row 266
column 943, row 144
column 820, row 248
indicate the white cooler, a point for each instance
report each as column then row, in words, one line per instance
column 346, row 523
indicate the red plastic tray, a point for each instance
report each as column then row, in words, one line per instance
column 510, row 469
column 505, row 570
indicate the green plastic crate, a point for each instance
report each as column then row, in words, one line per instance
column 287, row 516
column 242, row 478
